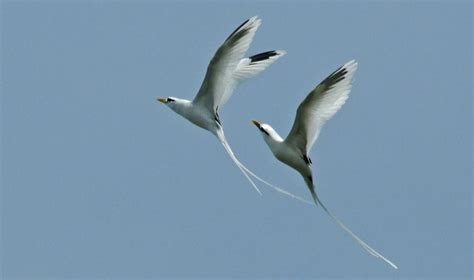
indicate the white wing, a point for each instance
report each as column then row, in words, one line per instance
column 220, row 71
column 320, row 105
column 249, row 67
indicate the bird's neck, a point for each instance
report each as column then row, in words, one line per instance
column 274, row 142
column 195, row 114
column 182, row 107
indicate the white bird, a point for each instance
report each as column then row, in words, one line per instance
column 226, row 70
column 317, row 108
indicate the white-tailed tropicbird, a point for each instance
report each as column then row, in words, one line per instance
column 317, row 108
column 226, row 70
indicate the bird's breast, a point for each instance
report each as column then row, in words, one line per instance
column 199, row 117
column 291, row 157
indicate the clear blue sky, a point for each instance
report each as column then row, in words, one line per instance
column 101, row 181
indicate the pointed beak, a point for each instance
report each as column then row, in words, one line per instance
column 161, row 99
column 256, row 123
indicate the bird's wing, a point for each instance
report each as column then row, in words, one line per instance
column 221, row 69
column 249, row 67
column 320, row 105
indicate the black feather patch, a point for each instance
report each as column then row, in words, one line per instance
column 216, row 117
column 335, row 77
column 307, row 159
column 237, row 29
column 310, row 178
column 262, row 56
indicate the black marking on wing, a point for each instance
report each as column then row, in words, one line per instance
column 335, row 77
column 310, row 178
column 216, row 117
column 307, row 159
column 262, row 56
column 237, row 29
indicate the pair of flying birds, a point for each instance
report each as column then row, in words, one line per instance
column 227, row 69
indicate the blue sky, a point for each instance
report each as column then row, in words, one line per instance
column 101, row 181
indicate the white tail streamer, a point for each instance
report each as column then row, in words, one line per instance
column 278, row 189
column 245, row 170
column 220, row 135
column 364, row 245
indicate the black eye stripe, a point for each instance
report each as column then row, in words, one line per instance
column 263, row 130
column 170, row 100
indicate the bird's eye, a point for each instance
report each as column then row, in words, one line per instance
column 169, row 100
column 263, row 130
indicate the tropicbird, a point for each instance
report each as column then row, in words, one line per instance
column 226, row 70
column 317, row 108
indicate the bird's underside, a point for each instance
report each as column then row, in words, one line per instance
column 226, row 70
column 313, row 112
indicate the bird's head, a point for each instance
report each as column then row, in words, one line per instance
column 169, row 101
column 262, row 127
column 268, row 133
column 176, row 104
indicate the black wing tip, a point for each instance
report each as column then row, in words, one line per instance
column 237, row 29
column 340, row 74
column 263, row 56
column 336, row 76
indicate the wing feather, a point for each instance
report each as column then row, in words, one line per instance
column 320, row 105
column 220, row 71
column 249, row 67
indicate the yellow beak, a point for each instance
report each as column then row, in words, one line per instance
column 256, row 123
column 161, row 99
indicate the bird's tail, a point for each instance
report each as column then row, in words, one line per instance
column 345, row 228
column 278, row 189
column 249, row 173
column 231, row 154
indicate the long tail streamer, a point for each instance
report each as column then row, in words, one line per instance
column 278, row 189
column 364, row 245
column 237, row 162
column 247, row 172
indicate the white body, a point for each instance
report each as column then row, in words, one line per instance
column 226, row 70
column 198, row 115
column 317, row 108
column 286, row 152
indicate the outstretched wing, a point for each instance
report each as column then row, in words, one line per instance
column 249, row 67
column 221, row 69
column 320, row 105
